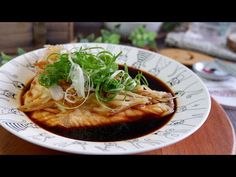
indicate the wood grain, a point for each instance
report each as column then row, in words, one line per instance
column 16, row 40
column 216, row 136
column 33, row 34
column 60, row 32
column 15, row 27
column 186, row 57
column 58, row 37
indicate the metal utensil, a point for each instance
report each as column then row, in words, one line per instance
column 229, row 67
column 210, row 70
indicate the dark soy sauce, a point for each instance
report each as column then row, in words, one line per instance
column 119, row 131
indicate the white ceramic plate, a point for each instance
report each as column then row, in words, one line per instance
column 193, row 103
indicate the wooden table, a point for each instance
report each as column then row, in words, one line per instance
column 216, row 136
column 232, row 116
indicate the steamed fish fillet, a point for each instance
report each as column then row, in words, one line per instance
column 138, row 104
column 93, row 114
column 37, row 98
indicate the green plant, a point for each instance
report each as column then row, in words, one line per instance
column 20, row 51
column 170, row 26
column 141, row 37
column 89, row 38
column 106, row 37
column 4, row 58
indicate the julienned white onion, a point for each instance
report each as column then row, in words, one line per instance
column 77, row 77
column 56, row 92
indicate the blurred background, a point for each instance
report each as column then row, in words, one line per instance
column 32, row 35
column 208, row 48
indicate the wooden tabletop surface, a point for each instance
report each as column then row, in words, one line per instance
column 216, row 136
column 232, row 116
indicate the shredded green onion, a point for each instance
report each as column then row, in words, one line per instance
column 99, row 71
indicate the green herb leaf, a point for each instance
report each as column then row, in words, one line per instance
column 20, row 51
column 56, row 72
column 89, row 38
column 170, row 26
column 99, row 39
column 5, row 57
column 110, row 37
column 141, row 37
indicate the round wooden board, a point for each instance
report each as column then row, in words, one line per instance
column 216, row 136
column 186, row 57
